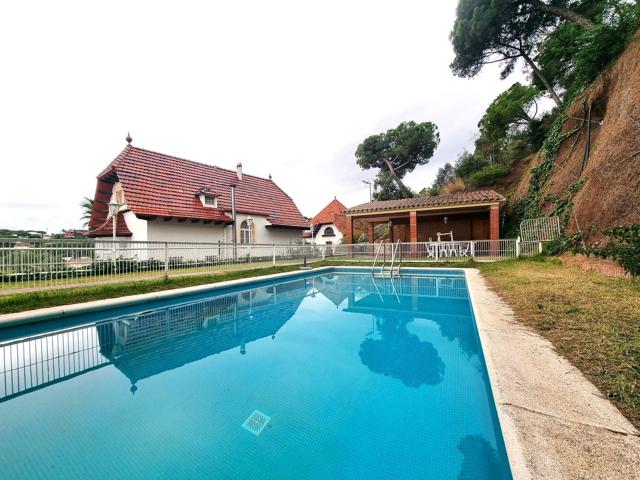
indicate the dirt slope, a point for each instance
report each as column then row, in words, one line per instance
column 611, row 193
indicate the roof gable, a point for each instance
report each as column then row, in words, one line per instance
column 327, row 214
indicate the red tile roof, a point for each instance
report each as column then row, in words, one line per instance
column 106, row 229
column 326, row 215
column 332, row 213
column 460, row 198
column 158, row 185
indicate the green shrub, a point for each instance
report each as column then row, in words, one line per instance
column 488, row 175
column 624, row 247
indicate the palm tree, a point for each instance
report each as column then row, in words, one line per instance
column 87, row 209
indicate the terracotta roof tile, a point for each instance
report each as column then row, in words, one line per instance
column 332, row 213
column 158, row 185
column 326, row 215
column 460, row 198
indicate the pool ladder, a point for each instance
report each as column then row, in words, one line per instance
column 393, row 269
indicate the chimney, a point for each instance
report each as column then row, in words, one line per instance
column 239, row 171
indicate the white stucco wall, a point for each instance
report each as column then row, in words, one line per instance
column 174, row 231
column 319, row 239
column 262, row 234
column 137, row 227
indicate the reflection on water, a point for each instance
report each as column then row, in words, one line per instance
column 149, row 343
column 146, row 344
column 401, row 354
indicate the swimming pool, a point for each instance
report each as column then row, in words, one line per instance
column 323, row 376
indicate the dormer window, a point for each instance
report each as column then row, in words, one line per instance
column 118, row 195
column 207, row 198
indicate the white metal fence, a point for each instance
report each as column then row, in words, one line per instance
column 541, row 229
column 37, row 264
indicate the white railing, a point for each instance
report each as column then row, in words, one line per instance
column 37, row 264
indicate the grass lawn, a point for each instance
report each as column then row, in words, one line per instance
column 592, row 320
column 28, row 301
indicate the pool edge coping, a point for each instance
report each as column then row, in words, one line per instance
column 510, row 436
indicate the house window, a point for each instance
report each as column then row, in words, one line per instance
column 328, row 232
column 246, row 232
column 211, row 200
column 120, row 196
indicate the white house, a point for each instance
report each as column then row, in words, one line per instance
column 170, row 199
column 327, row 227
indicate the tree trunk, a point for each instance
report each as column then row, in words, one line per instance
column 396, row 178
column 568, row 15
column 542, row 78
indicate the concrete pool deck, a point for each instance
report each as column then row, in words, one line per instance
column 555, row 423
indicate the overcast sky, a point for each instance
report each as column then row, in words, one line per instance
column 288, row 88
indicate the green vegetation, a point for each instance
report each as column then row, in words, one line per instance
column 87, row 209
column 488, row 175
column 591, row 320
column 571, row 57
column 624, row 247
column 66, row 296
column 8, row 233
column 395, row 153
column 564, row 46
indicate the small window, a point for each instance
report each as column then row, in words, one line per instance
column 328, row 232
column 120, row 196
column 211, row 200
column 246, row 233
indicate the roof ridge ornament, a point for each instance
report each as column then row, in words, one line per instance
column 129, row 139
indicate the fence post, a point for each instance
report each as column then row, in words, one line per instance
column 437, row 250
column 166, row 260
column 540, row 248
column 274, row 254
column 324, row 252
column 518, row 247
column 473, row 250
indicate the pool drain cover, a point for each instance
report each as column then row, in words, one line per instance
column 256, row 422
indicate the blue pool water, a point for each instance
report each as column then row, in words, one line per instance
column 355, row 377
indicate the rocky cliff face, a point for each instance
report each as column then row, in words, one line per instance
column 603, row 186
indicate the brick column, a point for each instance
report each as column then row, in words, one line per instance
column 494, row 222
column 413, row 227
column 348, row 236
column 370, row 232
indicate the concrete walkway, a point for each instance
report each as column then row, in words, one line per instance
column 556, row 423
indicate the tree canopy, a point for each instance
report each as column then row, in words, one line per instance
column 498, row 31
column 396, row 152
column 513, row 109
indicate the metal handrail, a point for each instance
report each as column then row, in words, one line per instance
column 393, row 255
column 375, row 259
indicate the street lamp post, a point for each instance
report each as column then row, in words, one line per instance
column 114, row 208
column 249, row 221
column 370, row 191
